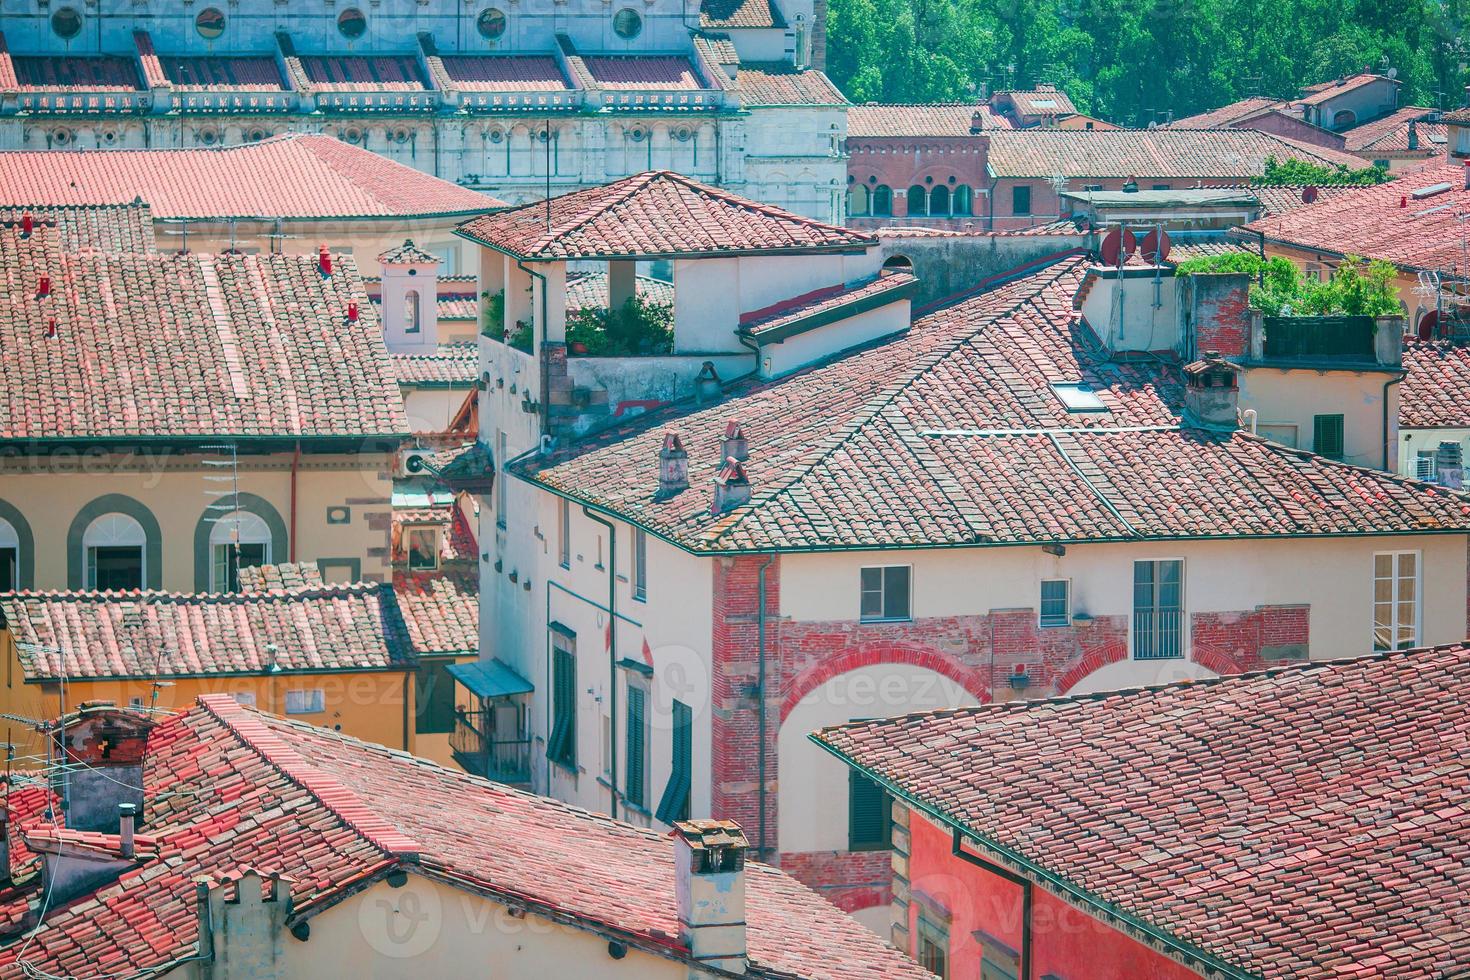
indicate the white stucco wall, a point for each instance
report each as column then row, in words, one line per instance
column 822, row 342
column 1413, row 441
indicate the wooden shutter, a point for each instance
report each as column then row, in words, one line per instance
column 674, row 805
column 634, row 791
column 868, row 816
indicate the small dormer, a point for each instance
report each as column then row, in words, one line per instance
column 410, row 298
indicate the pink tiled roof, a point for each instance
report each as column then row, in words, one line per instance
column 641, row 72
column 148, row 62
column 456, row 540
column 59, row 73
column 441, row 610
column 1308, row 821
column 450, row 364
column 1038, row 102
column 725, row 14
column 142, row 634
column 504, row 73
column 187, row 346
column 778, row 84
column 227, row 786
column 1384, row 222
column 1225, row 115
column 590, row 289
column 1390, row 134
column 1279, row 200
column 283, row 575
column 8, row 81
column 772, row 319
column 1436, row 389
column 654, row 213
column 1327, row 91
column 298, row 176
column 226, row 74
column 396, row 73
column 884, row 120
column 1144, row 153
column 952, row 435
column 102, row 228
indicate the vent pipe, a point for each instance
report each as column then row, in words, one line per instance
column 43, row 288
column 324, row 260
column 351, row 312
column 27, row 225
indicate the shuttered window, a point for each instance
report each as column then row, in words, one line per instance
column 1327, row 436
column 636, row 791
column 869, row 814
column 433, row 698
column 561, row 748
column 675, row 802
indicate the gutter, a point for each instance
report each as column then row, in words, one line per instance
column 849, row 248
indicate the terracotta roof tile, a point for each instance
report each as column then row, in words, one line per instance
column 1173, row 153
column 217, row 73
column 1305, row 822
column 655, row 213
column 101, row 227
column 228, row 787
column 888, row 287
column 1038, row 102
column 1436, row 389
column 409, row 254
column 441, row 610
column 61, row 73
column 450, row 364
column 642, row 72
column 1390, row 133
column 953, row 434
column 1279, row 200
column 297, row 176
column 778, row 84
column 377, row 73
column 725, row 14
column 1225, row 115
column 284, row 575
column 504, row 73
column 1326, row 91
column 590, row 289
column 886, row 120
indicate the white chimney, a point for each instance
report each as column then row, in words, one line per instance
column 673, row 467
column 709, row 884
column 735, row 445
column 410, row 307
column 732, row 487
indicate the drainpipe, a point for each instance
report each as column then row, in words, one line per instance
column 760, row 691
column 1388, row 449
column 612, row 655
column 295, row 466
column 958, row 850
column 545, row 384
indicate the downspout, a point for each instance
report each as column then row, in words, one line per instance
column 406, row 675
column 612, row 655
column 295, row 466
column 541, row 354
column 990, row 207
column 958, row 850
column 1388, row 449
column 760, row 691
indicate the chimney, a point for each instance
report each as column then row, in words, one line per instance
column 734, row 445
column 1449, row 465
column 732, row 487
column 673, row 467
column 51, row 328
column 27, row 225
column 324, row 260
column 103, row 747
column 43, row 288
column 977, row 122
column 410, row 298
column 707, row 386
column 1212, row 392
column 1413, row 135
column 351, row 312
column 125, row 815
column 1130, row 186
column 709, row 884
column 242, row 918
column 1219, row 309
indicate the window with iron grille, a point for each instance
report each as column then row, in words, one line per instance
column 561, row 748
column 869, row 814
column 885, row 593
column 1055, row 602
column 1327, row 435
column 674, row 805
column 635, row 792
column 1158, row 609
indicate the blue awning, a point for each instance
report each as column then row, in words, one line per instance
column 490, row 679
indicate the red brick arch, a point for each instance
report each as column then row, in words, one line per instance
column 1095, row 659
column 818, row 674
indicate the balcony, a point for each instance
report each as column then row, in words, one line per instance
column 1327, row 342
column 479, row 751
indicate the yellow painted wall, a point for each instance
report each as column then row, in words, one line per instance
column 1287, row 402
column 50, row 493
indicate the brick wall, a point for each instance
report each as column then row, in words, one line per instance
column 1222, row 315
column 1233, row 642
column 850, row 880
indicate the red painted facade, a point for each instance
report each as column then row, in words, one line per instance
column 899, row 164
column 971, row 904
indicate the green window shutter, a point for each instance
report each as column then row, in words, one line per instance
column 674, row 805
column 562, row 746
column 634, row 791
column 869, row 815
column 434, row 698
column 1327, row 436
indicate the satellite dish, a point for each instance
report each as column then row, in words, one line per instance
column 1117, row 245
column 1155, row 248
column 1429, row 325
column 1309, row 194
column 1393, row 73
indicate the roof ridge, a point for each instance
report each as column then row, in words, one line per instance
column 166, row 597
column 351, row 809
column 635, row 183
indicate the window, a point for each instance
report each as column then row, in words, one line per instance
column 1381, row 164
column 918, row 201
column 869, row 814
column 635, row 789
column 675, row 802
column 411, row 311
column 564, row 532
column 1158, row 593
column 238, row 540
column 9, row 557
column 963, row 199
column 885, row 593
column 352, row 24
column 561, row 748
column 113, row 546
column 67, row 23
column 309, row 702
column 1282, row 432
column 640, row 565
column 1161, row 187
column 857, row 200
column 939, row 200
column 1021, row 200
column 883, row 200
column 433, row 698
column 491, row 23
column 1055, row 602
column 1078, row 396
column 210, row 23
column 627, row 23
column 500, row 487
column 1396, row 600
column 1327, row 436
column 931, row 943
column 423, row 549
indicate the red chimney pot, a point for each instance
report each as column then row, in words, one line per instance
column 324, row 260
column 1403, row 200
column 26, row 224
column 351, row 312
column 44, row 287
column 51, row 328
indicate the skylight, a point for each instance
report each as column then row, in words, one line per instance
column 1078, row 396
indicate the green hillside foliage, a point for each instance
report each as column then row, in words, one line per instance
column 1134, row 62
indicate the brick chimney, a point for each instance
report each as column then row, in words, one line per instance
column 1212, row 392
column 709, row 884
column 242, row 924
column 732, row 487
column 734, row 445
column 103, row 746
column 1219, row 308
column 673, row 467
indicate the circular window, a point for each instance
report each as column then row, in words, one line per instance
column 352, row 24
column 491, row 23
column 627, row 23
column 67, row 23
column 61, row 137
column 210, row 23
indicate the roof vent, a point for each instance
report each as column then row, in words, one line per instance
column 707, row 385
column 27, row 224
column 351, row 312
column 324, row 260
column 51, row 329
column 709, row 890
column 1433, row 190
column 732, row 487
column 734, row 445
column 673, row 467
column 977, row 122
column 43, row 288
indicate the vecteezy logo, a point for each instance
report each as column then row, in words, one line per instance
column 401, row 922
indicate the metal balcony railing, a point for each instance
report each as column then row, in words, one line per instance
column 505, row 760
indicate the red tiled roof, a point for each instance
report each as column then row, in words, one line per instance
column 143, row 634
column 458, row 306
column 216, row 73
column 504, row 73
column 778, row 84
column 1390, row 134
column 228, row 787
column 1225, row 115
column 641, row 72
column 724, row 14
column 1327, row 91
column 651, row 214
column 1435, row 393
column 395, row 73
column 456, row 538
column 590, row 289
column 1144, row 153
column 450, row 364
column 441, row 610
column 1034, row 103
column 1279, row 200
column 886, row 120
column 1384, row 222
column 952, row 435
column 407, row 254
column 283, row 575
column 1307, row 821
column 297, row 176
column 102, row 228
column 99, row 73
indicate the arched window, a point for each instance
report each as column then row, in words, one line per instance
column 882, row 201
column 238, row 540
column 857, row 200
column 113, row 549
column 918, row 201
column 9, row 557
column 962, row 200
column 1343, row 118
column 411, row 311
column 898, row 263
column 939, row 201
